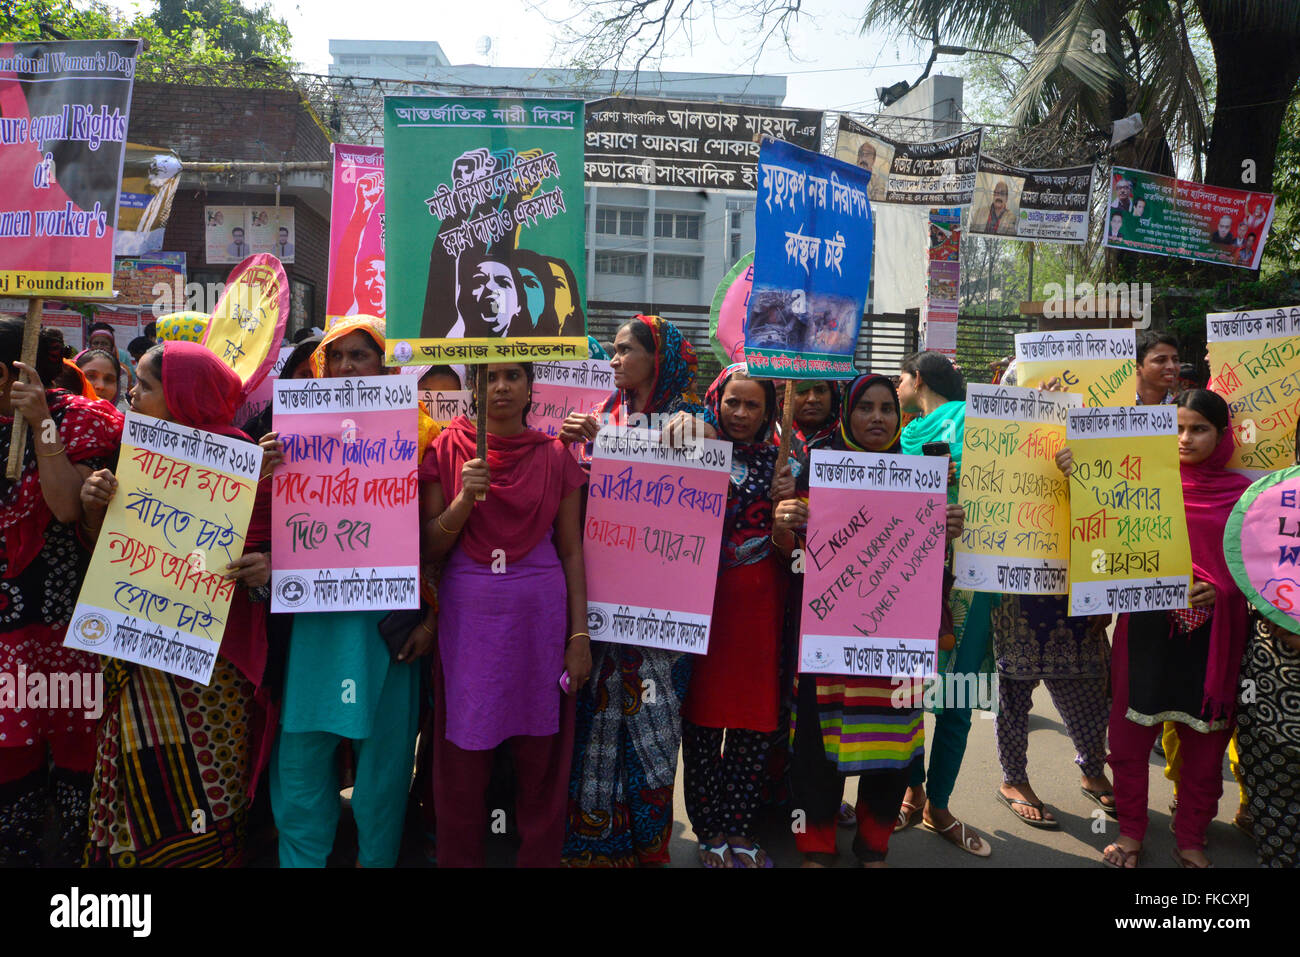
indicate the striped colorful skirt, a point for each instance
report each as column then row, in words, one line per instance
column 868, row 724
column 173, row 769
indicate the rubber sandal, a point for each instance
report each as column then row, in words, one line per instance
column 1186, row 864
column 964, row 840
column 1096, row 796
column 1123, row 857
column 752, row 854
column 847, row 816
column 909, row 815
column 1042, row 824
column 720, row 850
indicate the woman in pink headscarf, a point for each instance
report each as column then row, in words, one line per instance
column 174, row 754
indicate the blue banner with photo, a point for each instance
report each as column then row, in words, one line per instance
column 812, row 265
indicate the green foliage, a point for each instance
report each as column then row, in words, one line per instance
column 203, row 32
column 1282, row 252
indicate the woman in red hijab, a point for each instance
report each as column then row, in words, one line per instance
column 512, row 642
column 1183, row 666
column 173, row 752
column 42, row 563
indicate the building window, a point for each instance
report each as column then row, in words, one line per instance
column 416, row 60
column 631, row 222
column 606, row 220
column 677, row 267
column 735, row 247
column 677, row 225
column 353, row 59
column 615, row 264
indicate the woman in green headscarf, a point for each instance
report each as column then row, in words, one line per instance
column 932, row 386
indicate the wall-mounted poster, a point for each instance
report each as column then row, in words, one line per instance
column 233, row 233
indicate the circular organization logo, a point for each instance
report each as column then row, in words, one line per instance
column 973, row 576
column 91, row 628
column 597, row 620
column 403, row 352
column 819, row 660
column 292, row 590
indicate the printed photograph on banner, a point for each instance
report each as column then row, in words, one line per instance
column 271, row 230
column 1129, row 548
column 812, row 265
column 1098, row 364
column 155, row 593
column 1042, row 205
column 487, row 195
column 356, row 267
column 1255, row 365
column 936, row 173
column 873, row 566
column 1017, row 534
column 64, row 110
column 150, row 176
column 225, row 234
column 1164, row 216
column 1262, row 546
column 345, row 526
column 653, row 539
column 687, row 144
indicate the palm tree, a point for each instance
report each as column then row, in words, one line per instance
column 1096, row 61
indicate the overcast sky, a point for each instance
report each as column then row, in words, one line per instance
column 829, row 66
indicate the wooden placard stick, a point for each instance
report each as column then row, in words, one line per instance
column 787, row 422
column 18, row 435
column 480, row 427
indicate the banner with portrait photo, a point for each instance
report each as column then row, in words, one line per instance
column 1098, row 364
column 812, row 265
column 345, row 527
column 653, row 539
column 1164, row 216
column 936, row 173
column 64, row 108
column 356, row 267
column 150, row 177
column 233, row 233
column 1040, row 205
column 1129, row 549
column 155, row 593
column 873, row 565
column 1254, row 362
column 487, row 195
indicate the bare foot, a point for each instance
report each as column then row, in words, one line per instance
column 740, row 846
column 1102, row 788
column 715, row 853
column 942, row 820
column 1023, row 792
column 1191, row 858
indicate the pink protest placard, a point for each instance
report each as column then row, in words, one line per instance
column 873, row 565
column 563, row 387
column 653, row 538
column 356, row 267
column 345, row 503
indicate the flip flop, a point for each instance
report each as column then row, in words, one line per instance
column 1123, row 857
column 1186, row 864
column 1042, row 824
column 752, row 854
column 964, row 841
column 720, row 851
column 847, row 816
column 1096, row 796
column 909, row 815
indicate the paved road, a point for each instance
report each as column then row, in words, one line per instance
column 1055, row 778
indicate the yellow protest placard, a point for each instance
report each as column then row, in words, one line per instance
column 1098, row 364
column 1129, row 549
column 1255, row 365
column 1016, row 538
column 155, row 594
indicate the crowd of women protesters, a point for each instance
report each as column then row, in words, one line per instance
column 468, row 694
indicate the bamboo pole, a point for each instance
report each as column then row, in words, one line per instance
column 18, row 434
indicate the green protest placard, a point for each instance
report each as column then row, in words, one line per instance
column 484, row 214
